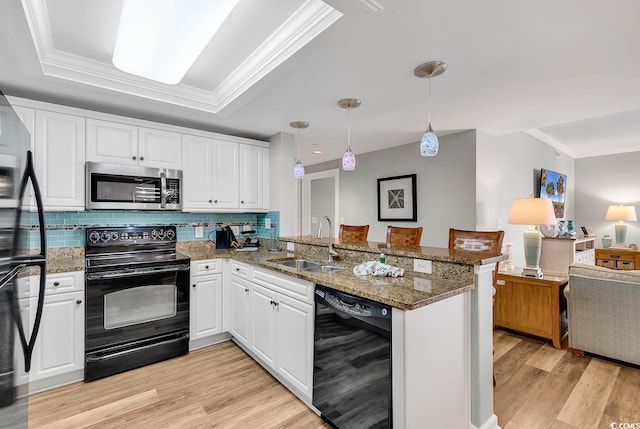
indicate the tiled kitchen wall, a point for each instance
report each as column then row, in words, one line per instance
column 67, row 229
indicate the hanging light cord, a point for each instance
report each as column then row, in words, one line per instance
column 298, row 142
column 349, row 128
column 429, row 99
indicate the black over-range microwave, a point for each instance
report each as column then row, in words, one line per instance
column 113, row 186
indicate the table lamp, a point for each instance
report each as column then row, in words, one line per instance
column 621, row 213
column 532, row 212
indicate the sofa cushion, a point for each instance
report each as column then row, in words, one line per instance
column 584, row 270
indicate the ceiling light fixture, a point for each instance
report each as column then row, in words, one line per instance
column 429, row 143
column 349, row 159
column 298, row 168
column 161, row 40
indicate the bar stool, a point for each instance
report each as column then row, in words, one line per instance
column 353, row 232
column 399, row 236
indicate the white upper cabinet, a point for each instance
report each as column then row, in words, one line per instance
column 112, row 142
column 131, row 145
column 197, row 173
column 251, row 176
column 59, row 159
column 224, row 176
column 159, row 148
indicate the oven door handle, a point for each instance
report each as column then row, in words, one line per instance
column 137, row 273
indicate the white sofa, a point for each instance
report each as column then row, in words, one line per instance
column 604, row 312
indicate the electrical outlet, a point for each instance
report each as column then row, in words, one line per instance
column 199, row 232
column 422, row 266
column 267, row 223
column 290, row 247
column 499, row 223
column 235, row 229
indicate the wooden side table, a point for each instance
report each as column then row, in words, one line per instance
column 618, row 258
column 530, row 305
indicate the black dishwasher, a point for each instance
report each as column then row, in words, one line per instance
column 352, row 361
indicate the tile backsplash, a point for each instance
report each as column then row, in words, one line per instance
column 66, row 229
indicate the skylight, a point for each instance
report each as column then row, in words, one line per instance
column 160, row 40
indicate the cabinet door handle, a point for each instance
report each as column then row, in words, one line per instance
column 194, row 285
column 79, row 301
column 215, row 201
column 210, row 201
column 142, row 158
column 56, row 284
column 238, row 269
column 242, row 202
column 133, row 157
column 246, row 289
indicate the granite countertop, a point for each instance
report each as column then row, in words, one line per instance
column 412, row 291
column 441, row 254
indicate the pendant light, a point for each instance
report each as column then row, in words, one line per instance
column 349, row 159
column 298, row 168
column 429, row 142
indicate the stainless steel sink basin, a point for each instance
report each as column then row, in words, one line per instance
column 302, row 264
column 324, row 269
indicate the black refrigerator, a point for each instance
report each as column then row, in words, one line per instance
column 18, row 184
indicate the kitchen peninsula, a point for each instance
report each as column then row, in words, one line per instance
column 441, row 322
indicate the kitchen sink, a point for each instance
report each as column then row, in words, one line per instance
column 307, row 265
column 302, row 264
column 324, row 269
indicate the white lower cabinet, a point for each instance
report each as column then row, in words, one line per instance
column 205, row 300
column 59, row 347
column 278, row 312
column 239, row 290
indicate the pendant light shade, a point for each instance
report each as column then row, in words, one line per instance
column 298, row 168
column 349, row 159
column 429, row 144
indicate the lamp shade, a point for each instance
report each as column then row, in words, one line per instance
column 532, row 211
column 621, row 212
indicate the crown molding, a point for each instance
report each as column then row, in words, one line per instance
column 310, row 20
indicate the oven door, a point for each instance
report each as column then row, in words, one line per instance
column 126, row 307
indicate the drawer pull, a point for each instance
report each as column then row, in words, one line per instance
column 79, row 301
column 56, row 284
column 246, row 289
column 206, row 267
column 238, row 269
column 194, row 285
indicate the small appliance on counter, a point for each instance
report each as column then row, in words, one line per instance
column 250, row 243
column 226, row 239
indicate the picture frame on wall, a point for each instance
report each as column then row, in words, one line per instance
column 397, row 198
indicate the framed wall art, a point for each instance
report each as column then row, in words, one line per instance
column 397, row 198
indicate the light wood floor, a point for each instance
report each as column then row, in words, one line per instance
column 215, row 387
column 538, row 387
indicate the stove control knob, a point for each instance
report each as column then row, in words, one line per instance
column 105, row 236
column 94, row 237
column 155, row 234
column 114, row 235
column 170, row 234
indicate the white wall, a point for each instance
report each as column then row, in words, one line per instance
column 445, row 187
column 284, row 191
column 508, row 167
column 323, row 202
column 603, row 181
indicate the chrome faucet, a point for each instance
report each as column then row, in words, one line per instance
column 332, row 253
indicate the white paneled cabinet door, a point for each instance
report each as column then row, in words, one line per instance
column 60, row 344
column 225, row 175
column 263, row 323
column 295, row 343
column 112, row 142
column 59, row 159
column 197, row 172
column 239, row 318
column 250, row 176
column 206, row 306
column 28, row 118
column 159, row 148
